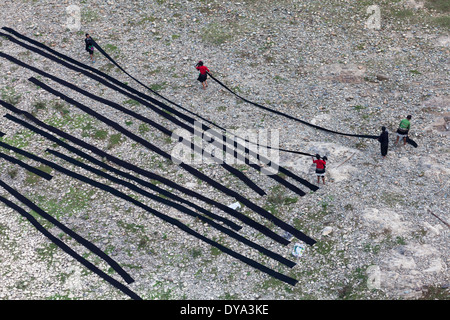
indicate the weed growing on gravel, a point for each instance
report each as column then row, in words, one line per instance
column 114, row 140
column 438, row 5
column 443, row 21
column 100, row 134
column 10, row 95
column 216, row 33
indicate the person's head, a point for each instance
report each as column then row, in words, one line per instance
column 408, row 117
column 383, row 128
column 317, row 156
column 200, row 63
column 87, row 35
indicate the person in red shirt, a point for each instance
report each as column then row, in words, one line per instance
column 320, row 168
column 203, row 73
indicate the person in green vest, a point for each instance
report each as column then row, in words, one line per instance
column 403, row 129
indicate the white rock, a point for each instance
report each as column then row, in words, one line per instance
column 327, row 230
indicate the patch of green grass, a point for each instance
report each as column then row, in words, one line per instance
column 216, row 33
column 403, row 13
column 358, row 107
column 89, row 15
column 46, row 253
column 278, row 78
column 435, row 293
column 10, row 95
column 228, row 296
column 130, row 227
column 3, row 229
column 195, row 252
column 443, row 21
column 19, row 140
column 143, row 128
column 438, row 5
column 68, row 121
column 62, row 108
column 361, row 145
column 107, row 67
column 114, row 140
column 360, row 46
column 392, row 198
column 110, row 48
column 39, row 105
column 146, row 19
column 100, row 134
column 76, row 200
column 272, row 208
column 132, row 102
column 215, row 251
column 354, row 289
column 271, row 283
column 158, row 86
column 12, row 172
column 277, row 198
column 414, row 72
column 324, row 247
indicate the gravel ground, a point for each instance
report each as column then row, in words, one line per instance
column 376, row 235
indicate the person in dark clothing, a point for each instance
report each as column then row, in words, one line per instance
column 90, row 46
column 384, row 141
column 203, row 73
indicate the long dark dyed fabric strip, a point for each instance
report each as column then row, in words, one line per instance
column 34, row 170
column 188, row 168
column 263, row 229
column 413, row 143
column 156, row 213
column 89, row 245
column 144, row 96
column 124, row 174
column 215, row 225
column 69, row 251
column 1, row 134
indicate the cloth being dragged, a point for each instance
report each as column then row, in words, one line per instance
column 413, row 143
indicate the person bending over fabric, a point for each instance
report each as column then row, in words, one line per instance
column 403, row 129
column 203, row 75
column 384, row 141
column 320, row 167
column 89, row 46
